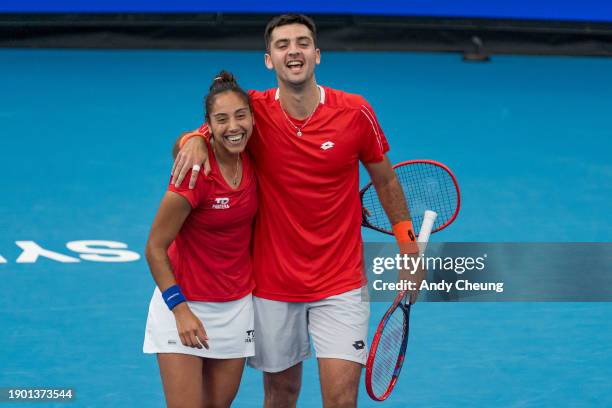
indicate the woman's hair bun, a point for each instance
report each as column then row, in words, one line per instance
column 223, row 79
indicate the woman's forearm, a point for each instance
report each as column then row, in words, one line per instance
column 159, row 265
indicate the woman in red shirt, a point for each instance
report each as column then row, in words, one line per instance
column 200, row 321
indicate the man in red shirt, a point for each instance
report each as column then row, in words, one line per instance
column 307, row 254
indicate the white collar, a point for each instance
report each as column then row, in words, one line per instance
column 321, row 90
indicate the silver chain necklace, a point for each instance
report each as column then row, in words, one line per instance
column 298, row 129
column 235, row 179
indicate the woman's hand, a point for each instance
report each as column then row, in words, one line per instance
column 190, row 328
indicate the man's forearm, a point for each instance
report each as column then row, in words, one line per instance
column 392, row 200
column 177, row 145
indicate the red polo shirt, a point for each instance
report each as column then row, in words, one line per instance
column 307, row 243
column 210, row 256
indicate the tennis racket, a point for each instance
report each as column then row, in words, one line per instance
column 433, row 197
column 427, row 185
column 388, row 348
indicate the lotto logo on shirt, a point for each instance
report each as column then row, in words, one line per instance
column 327, row 145
column 221, row 203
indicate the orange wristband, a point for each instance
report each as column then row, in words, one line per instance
column 203, row 132
column 406, row 239
column 404, row 232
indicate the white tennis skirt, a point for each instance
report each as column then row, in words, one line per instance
column 229, row 326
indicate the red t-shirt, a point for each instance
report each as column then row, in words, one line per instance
column 210, row 256
column 307, row 243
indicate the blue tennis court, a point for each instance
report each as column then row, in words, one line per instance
column 86, row 155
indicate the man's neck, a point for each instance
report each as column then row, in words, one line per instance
column 299, row 101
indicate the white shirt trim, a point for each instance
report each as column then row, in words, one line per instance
column 372, row 119
column 321, row 91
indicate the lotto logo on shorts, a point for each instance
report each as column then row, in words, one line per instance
column 359, row 345
column 250, row 336
column 221, row 203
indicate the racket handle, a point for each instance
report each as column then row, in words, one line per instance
column 428, row 221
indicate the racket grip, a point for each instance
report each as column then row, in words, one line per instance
column 428, row 221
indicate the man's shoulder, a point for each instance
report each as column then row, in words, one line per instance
column 262, row 96
column 343, row 99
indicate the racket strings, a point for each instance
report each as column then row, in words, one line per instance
column 429, row 187
column 426, row 187
column 376, row 216
column 388, row 351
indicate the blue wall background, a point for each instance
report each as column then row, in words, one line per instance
column 586, row 10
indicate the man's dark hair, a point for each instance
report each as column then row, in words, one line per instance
column 286, row 19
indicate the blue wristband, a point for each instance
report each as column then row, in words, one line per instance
column 173, row 296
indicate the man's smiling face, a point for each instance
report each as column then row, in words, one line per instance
column 292, row 54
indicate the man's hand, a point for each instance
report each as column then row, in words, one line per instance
column 416, row 278
column 194, row 153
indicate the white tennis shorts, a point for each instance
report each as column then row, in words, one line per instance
column 229, row 326
column 338, row 326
